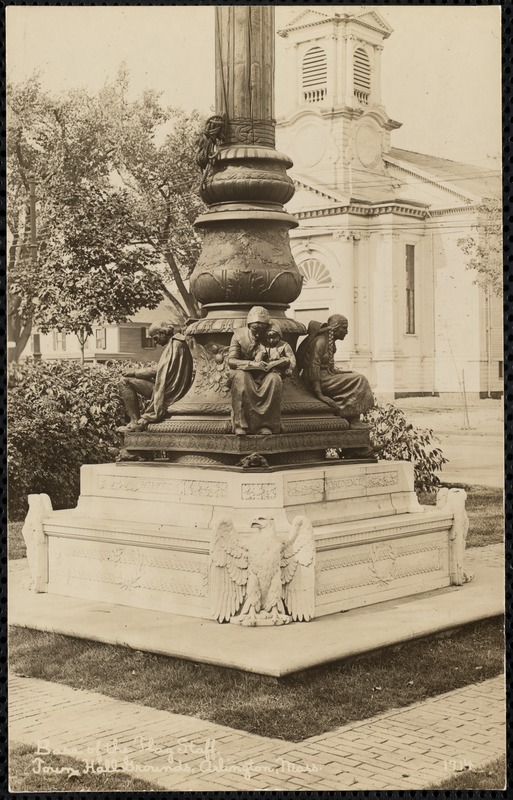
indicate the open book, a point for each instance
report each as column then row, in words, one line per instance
column 279, row 365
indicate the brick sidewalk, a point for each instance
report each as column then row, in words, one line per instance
column 408, row 748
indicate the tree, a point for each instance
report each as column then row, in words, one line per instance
column 484, row 248
column 155, row 162
column 115, row 208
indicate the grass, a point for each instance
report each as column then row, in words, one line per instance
column 292, row 708
column 492, row 776
column 16, row 545
column 25, row 775
column 485, row 511
column 484, row 506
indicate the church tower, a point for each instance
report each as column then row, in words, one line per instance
column 335, row 123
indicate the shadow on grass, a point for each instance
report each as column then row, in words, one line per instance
column 294, row 707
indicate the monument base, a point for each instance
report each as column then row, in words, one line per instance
column 141, row 534
column 202, row 442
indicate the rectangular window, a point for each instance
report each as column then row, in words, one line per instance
column 101, row 338
column 36, row 344
column 501, row 369
column 410, row 288
column 59, row 340
column 146, row 341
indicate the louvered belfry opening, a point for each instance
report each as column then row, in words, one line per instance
column 362, row 78
column 315, row 75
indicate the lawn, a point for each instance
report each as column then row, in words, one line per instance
column 484, row 506
column 485, row 510
column 291, row 708
column 492, row 776
column 26, row 775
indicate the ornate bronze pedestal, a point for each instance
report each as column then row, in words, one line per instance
column 245, row 261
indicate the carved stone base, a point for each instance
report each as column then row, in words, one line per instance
column 141, row 534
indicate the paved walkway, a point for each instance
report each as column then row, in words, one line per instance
column 459, row 444
column 407, row 748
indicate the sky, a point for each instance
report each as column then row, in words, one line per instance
column 440, row 67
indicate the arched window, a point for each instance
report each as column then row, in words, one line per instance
column 315, row 274
column 315, row 75
column 362, row 77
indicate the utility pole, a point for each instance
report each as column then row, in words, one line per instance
column 33, row 224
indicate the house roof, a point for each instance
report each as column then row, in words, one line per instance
column 469, row 179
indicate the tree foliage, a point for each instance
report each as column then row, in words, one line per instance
column 483, row 248
column 116, row 186
column 62, row 414
column 396, row 439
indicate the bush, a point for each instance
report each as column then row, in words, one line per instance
column 396, row 439
column 61, row 414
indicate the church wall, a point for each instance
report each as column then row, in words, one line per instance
column 340, row 145
column 414, row 351
column 457, row 312
column 491, row 344
column 368, row 286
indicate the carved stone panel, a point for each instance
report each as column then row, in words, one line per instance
column 132, row 485
column 127, row 574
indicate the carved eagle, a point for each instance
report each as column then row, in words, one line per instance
column 267, row 578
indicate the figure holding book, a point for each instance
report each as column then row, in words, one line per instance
column 256, row 383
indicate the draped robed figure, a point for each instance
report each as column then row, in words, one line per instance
column 256, row 383
column 347, row 393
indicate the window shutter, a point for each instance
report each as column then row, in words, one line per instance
column 362, row 79
column 315, row 75
column 410, row 288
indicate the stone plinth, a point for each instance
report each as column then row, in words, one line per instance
column 141, row 534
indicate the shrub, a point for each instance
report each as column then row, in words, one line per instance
column 61, row 414
column 396, row 439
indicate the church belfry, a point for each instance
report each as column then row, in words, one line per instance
column 336, row 60
column 338, row 57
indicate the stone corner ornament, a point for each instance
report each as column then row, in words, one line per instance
column 264, row 578
column 39, row 507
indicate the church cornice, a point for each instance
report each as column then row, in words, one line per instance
column 364, row 210
column 446, row 212
column 347, row 112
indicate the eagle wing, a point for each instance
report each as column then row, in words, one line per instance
column 228, row 571
column 298, row 570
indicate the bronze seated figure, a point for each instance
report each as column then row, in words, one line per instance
column 266, row 394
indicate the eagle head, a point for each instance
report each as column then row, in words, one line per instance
column 264, row 524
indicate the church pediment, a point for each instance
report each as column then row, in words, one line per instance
column 304, row 19
column 374, row 20
column 309, row 195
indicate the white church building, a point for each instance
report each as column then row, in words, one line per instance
column 379, row 226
